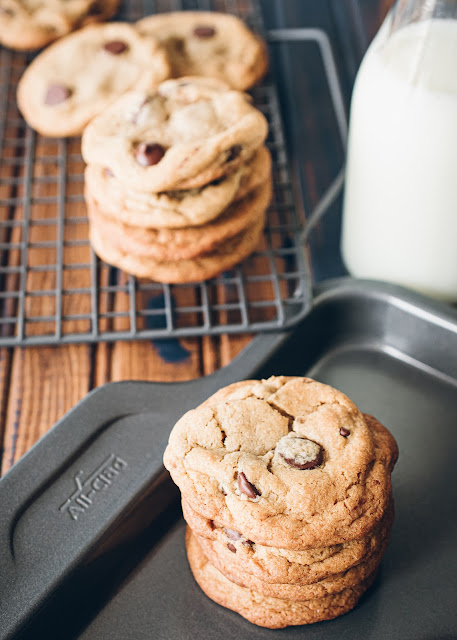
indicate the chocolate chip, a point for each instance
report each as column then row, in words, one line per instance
column 7, row 12
column 212, row 526
column 232, row 534
column 247, row 543
column 300, row 453
column 149, row 153
column 344, row 432
column 224, row 492
column 56, row 94
column 115, row 47
column 306, row 465
column 233, row 152
column 246, row 487
column 204, row 31
column 231, row 547
column 217, row 182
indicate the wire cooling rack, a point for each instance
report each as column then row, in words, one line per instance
column 53, row 289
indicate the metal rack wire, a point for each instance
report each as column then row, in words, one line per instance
column 53, row 289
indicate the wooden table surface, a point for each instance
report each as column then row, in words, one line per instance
column 38, row 385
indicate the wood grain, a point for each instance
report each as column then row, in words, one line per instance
column 45, row 382
column 142, row 360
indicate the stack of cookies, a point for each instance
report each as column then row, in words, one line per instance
column 178, row 180
column 178, row 177
column 287, row 493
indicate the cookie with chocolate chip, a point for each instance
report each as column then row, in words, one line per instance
column 184, row 243
column 186, row 134
column 32, row 24
column 275, row 565
column 210, row 44
column 222, row 557
column 263, row 610
column 266, row 458
column 79, row 76
column 202, row 267
column 176, row 209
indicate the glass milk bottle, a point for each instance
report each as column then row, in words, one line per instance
column 400, row 203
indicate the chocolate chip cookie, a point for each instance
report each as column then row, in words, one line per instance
column 176, row 209
column 185, row 243
column 184, row 135
column 275, row 565
column 334, row 583
column 209, row 44
column 265, row 611
column 202, row 267
column 289, row 462
column 32, row 24
column 79, row 76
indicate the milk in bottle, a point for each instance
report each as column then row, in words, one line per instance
column 400, row 204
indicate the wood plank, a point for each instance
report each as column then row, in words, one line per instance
column 47, row 381
column 231, row 346
column 167, row 360
column 8, row 256
column 210, row 354
column 5, row 366
column 141, row 360
column 101, row 364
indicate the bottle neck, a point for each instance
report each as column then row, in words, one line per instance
column 406, row 12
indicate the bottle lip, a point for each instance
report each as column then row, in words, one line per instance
column 407, row 12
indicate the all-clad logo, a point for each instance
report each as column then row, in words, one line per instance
column 98, row 481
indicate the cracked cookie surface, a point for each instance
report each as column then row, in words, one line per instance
column 224, row 458
column 186, row 134
column 209, row 44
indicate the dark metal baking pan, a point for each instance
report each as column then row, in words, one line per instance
column 91, row 537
